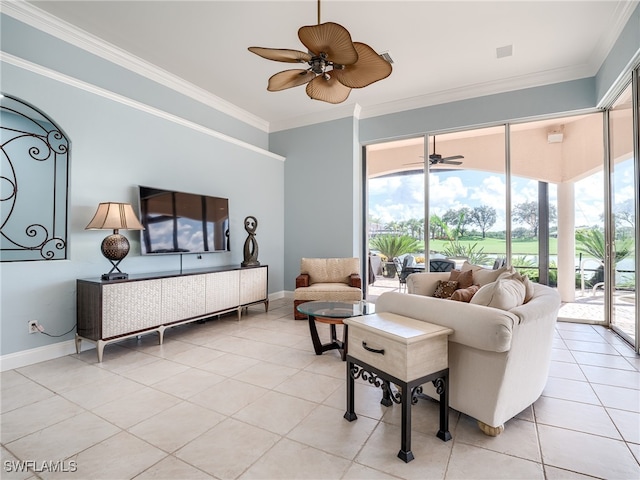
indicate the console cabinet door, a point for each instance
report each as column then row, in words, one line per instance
column 131, row 306
column 183, row 298
column 223, row 291
column 253, row 285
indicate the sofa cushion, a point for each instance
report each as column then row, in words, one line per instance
column 337, row 292
column 464, row 279
column 465, row 294
column 482, row 275
column 445, row 288
column 505, row 293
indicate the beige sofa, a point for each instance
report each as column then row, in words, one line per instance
column 331, row 279
column 499, row 359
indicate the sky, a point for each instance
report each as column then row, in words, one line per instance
column 401, row 197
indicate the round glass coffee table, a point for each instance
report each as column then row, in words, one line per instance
column 333, row 313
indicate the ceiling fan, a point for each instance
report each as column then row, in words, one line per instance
column 336, row 63
column 436, row 159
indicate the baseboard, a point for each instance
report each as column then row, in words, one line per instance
column 40, row 354
column 60, row 349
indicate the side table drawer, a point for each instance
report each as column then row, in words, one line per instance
column 404, row 348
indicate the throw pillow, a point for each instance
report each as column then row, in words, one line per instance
column 445, row 288
column 464, row 279
column 504, row 293
column 528, row 284
column 482, row 275
column 465, row 294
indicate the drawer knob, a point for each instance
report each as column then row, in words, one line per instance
column 373, row 350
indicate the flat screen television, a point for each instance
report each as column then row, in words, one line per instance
column 178, row 222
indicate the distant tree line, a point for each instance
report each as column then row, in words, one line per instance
column 471, row 221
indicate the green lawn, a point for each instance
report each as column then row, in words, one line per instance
column 498, row 247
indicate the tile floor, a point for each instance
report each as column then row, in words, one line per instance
column 250, row 399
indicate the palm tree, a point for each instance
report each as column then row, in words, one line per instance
column 392, row 246
column 592, row 243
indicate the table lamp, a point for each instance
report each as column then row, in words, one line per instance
column 115, row 216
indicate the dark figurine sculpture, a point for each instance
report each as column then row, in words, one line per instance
column 250, row 244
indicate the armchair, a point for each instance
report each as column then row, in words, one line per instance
column 336, row 279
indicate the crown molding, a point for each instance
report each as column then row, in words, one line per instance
column 41, row 20
column 74, row 82
column 621, row 17
column 37, row 18
column 336, row 113
column 479, row 90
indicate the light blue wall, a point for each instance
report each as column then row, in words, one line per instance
column 320, row 175
column 306, row 206
column 546, row 100
column 24, row 41
column 114, row 148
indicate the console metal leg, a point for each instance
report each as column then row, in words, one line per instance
column 350, row 414
column 442, row 388
column 405, row 453
column 386, row 394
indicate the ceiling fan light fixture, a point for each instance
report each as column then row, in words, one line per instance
column 327, row 90
column 336, row 63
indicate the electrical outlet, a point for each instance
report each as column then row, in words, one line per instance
column 33, row 326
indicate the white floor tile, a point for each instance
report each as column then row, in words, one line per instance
column 293, row 460
column 248, row 399
column 577, row 416
column 176, row 426
column 469, row 461
column 228, row 449
column 276, row 412
column 587, row 454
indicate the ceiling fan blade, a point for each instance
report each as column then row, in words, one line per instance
column 453, row 157
column 369, row 68
column 281, row 54
column 289, row 78
column 328, row 90
column 450, row 162
column 329, row 38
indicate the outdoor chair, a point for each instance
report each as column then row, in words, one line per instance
column 441, row 265
column 403, row 270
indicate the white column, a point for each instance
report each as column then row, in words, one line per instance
column 566, row 242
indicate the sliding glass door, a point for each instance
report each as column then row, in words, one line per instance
column 467, row 196
column 557, row 198
column 623, row 182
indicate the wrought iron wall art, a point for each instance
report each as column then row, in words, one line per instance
column 34, row 178
column 250, row 244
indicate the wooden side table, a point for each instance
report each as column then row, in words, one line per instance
column 386, row 348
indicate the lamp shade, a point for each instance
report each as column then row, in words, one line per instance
column 114, row 216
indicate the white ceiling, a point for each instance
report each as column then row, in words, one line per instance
column 442, row 51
